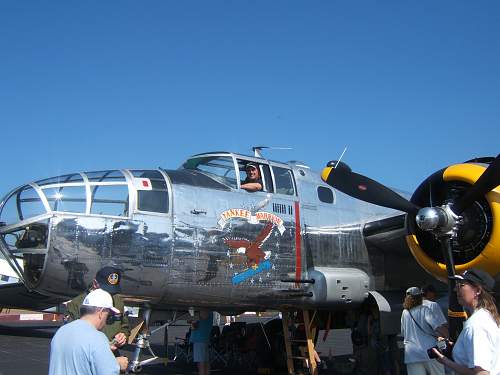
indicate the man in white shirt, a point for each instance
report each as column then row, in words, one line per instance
column 429, row 300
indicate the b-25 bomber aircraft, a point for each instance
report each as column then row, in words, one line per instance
column 193, row 238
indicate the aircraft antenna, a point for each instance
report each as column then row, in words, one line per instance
column 257, row 150
column 341, row 155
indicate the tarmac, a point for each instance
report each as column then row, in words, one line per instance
column 25, row 349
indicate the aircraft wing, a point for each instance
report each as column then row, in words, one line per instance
column 392, row 260
column 17, row 296
column 387, row 235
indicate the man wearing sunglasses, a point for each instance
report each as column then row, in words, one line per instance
column 79, row 348
column 117, row 330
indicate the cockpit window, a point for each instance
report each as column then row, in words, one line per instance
column 105, row 176
column 109, row 200
column 60, row 179
column 264, row 174
column 284, row 181
column 66, row 198
column 152, row 191
column 25, row 203
column 220, row 168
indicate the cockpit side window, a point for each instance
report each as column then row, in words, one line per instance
column 66, row 198
column 264, row 172
column 22, row 205
column 109, row 200
column 152, row 191
column 283, row 180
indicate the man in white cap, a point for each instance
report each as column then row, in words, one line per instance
column 79, row 348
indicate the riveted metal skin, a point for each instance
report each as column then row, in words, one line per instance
column 194, row 237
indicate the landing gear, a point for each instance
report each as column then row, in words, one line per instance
column 135, row 366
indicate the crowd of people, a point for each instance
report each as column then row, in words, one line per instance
column 97, row 328
column 427, row 349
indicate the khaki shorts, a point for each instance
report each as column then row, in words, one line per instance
column 431, row 367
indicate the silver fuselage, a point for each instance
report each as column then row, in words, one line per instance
column 187, row 254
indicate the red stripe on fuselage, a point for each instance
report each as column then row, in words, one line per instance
column 298, row 246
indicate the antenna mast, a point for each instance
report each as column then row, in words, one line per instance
column 257, row 150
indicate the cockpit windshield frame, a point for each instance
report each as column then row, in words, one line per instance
column 217, row 177
column 49, row 189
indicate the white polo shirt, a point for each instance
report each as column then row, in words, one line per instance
column 479, row 343
column 417, row 340
column 436, row 310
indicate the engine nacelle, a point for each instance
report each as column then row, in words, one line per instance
column 478, row 237
column 338, row 286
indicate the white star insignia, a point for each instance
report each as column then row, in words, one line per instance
column 268, row 274
column 252, row 281
column 260, row 279
column 273, row 267
column 231, row 265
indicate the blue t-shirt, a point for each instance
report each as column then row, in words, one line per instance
column 79, row 349
column 203, row 330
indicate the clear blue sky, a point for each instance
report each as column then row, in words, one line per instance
column 408, row 86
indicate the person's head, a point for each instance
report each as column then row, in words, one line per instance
column 429, row 292
column 473, row 291
column 108, row 278
column 252, row 171
column 413, row 298
column 96, row 307
column 204, row 314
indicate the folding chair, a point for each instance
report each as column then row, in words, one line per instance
column 182, row 350
column 217, row 355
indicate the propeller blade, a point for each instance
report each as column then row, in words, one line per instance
column 486, row 182
column 366, row 189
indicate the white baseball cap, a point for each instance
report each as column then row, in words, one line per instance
column 414, row 291
column 100, row 298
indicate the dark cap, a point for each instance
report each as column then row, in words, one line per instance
column 414, row 291
column 478, row 277
column 109, row 279
column 251, row 165
column 429, row 288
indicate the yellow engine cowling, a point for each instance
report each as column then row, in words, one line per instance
column 481, row 224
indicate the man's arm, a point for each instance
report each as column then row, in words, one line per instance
column 120, row 338
column 125, row 324
column 103, row 360
column 73, row 307
column 459, row 369
column 442, row 331
column 252, row 186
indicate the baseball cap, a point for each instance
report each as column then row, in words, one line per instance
column 429, row 288
column 414, row 291
column 109, row 279
column 476, row 276
column 100, row 298
column 250, row 165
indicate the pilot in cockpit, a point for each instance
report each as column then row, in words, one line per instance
column 253, row 182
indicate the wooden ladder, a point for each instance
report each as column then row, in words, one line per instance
column 307, row 348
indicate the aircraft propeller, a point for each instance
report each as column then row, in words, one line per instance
column 442, row 221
